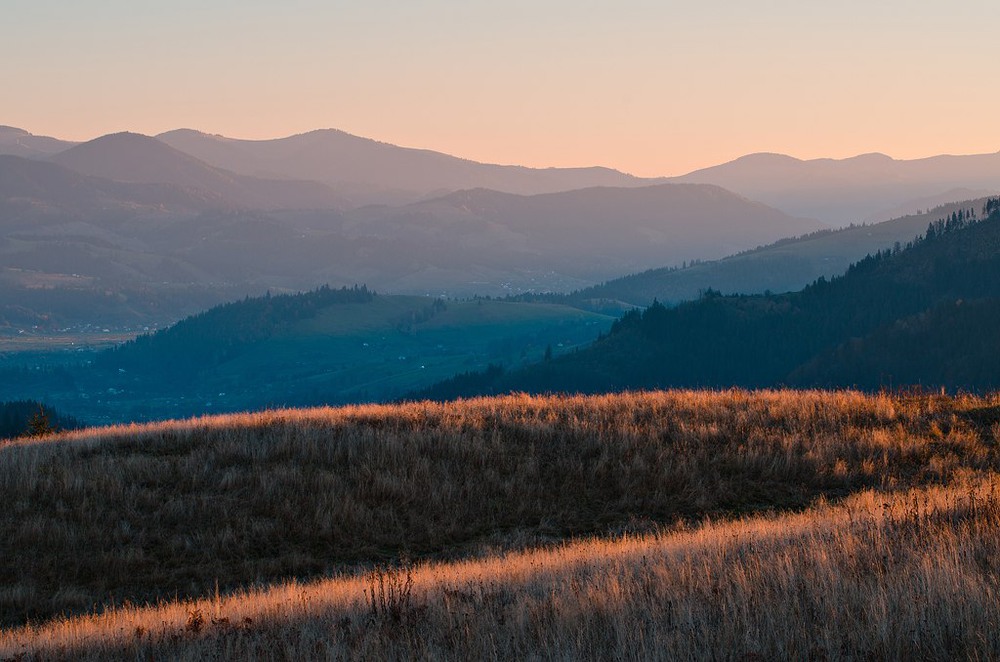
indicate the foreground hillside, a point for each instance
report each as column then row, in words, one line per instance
column 892, row 557
column 174, row 509
column 904, row 576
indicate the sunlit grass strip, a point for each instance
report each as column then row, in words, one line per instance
column 906, row 576
column 836, row 406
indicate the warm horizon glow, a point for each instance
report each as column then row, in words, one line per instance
column 651, row 88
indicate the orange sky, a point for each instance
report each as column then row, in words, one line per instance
column 652, row 88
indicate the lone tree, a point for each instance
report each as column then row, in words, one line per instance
column 39, row 424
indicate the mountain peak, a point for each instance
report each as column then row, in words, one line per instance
column 766, row 157
column 133, row 157
column 871, row 156
column 136, row 158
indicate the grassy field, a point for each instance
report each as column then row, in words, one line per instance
column 40, row 344
column 552, row 527
column 908, row 575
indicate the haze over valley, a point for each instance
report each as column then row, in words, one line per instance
column 130, row 231
column 126, row 234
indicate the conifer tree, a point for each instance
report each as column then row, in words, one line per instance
column 39, row 424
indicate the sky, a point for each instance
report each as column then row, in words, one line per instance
column 651, row 88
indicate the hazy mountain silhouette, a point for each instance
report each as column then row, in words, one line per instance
column 472, row 242
column 864, row 188
column 368, row 171
column 40, row 187
column 19, row 142
column 130, row 157
column 923, row 205
column 787, row 265
column 585, row 233
column 856, row 189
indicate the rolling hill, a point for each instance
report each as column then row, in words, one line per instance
column 660, row 525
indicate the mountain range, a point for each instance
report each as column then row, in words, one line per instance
column 368, row 171
column 134, row 158
column 865, row 188
column 133, row 227
column 73, row 227
column 859, row 189
column 913, row 314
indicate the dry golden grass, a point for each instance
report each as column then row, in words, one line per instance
column 911, row 575
column 147, row 513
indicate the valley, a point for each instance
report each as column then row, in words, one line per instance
column 357, row 349
column 633, row 331
column 537, row 414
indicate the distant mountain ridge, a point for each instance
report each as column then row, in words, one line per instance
column 370, row 171
column 854, row 189
column 786, row 265
column 18, row 142
column 863, row 188
column 836, row 191
column 586, row 232
column 73, row 237
column 29, row 185
column 151, row 216
column 134, row 158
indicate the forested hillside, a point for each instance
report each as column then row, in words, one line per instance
column 833, row 333
column 787, row 265
column 223, row 332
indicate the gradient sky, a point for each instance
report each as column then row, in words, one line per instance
column 652, row 88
